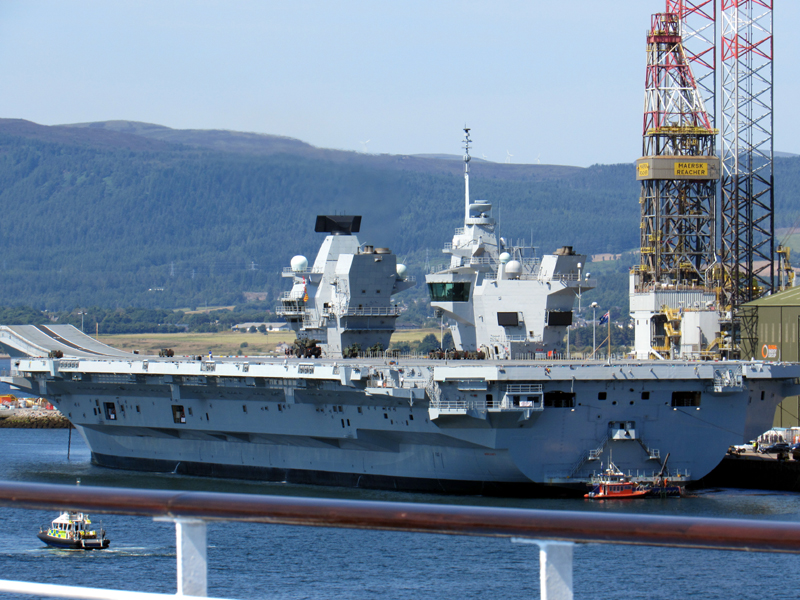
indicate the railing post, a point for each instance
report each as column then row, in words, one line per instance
column 192, row 562
column 555, row 568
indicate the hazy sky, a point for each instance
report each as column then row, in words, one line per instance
column 559, row 82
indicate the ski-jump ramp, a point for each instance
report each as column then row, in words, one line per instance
column 42, row 340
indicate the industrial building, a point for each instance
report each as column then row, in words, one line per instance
column 769, row 328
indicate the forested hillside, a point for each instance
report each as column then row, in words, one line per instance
column 97, row 217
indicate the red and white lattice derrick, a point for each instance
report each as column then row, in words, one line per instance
column 678, row 168
column 699, row 35
column 748, row 243
column 671, row 96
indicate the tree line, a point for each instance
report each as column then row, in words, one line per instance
column 140, row 320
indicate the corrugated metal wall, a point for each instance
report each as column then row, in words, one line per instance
column 777, row 327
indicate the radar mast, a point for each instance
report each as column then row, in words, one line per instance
column 467, row 158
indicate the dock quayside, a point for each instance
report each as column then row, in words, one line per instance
column 517, row 422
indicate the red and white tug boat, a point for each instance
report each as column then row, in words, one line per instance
column 613, row 483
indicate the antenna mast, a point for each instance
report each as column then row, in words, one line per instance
column 467, row 158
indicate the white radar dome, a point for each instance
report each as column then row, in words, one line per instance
column 505, row 257
column 299, row 263
column 401, row 270
column 514, row 268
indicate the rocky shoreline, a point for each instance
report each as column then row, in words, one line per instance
column 33, row 418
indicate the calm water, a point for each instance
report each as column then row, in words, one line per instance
column 259, row 561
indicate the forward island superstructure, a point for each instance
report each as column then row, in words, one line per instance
column 503, row 300
column 517, row 422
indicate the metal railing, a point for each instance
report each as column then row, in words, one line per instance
column 292, row 295
column 464, row 404
column 554, row 531
column 589, row 455
column 291, row 309
column 433, row 269
column 532, row 276
column 524, row 388
column 503, row 339
column 372, row 311
column 565, row 277
column 483, row 260
column 307, row 271
column 450, row 246
column 504, row 404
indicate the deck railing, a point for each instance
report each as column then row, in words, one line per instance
column 372, row 311
column 554, row 531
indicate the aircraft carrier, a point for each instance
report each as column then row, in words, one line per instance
column 512, row 416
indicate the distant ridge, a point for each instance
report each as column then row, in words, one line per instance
column 139, row 136
column 217, row 139
column 105, row 139
column 265, row 144
column 450, row 157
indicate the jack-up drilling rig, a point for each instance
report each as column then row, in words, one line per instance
column 687, row 298
column 675, row 313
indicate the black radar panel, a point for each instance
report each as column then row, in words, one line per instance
column 338, row 224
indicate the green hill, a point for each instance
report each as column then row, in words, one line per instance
column 121, row 214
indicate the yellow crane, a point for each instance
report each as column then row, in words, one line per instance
column 785, row 267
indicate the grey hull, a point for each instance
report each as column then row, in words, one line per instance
column 483, row 426
column 419, row 434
